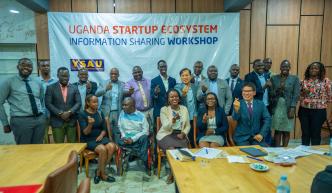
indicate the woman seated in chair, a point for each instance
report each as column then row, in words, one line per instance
column 94, row 133
column 212, row 123
column 175, row 125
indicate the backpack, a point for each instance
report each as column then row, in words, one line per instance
column 322, row 182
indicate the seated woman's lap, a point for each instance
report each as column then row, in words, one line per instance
column 172, row 141
column 92, row 144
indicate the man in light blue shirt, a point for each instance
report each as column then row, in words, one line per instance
column 111, row 92
column 46, row 80
column 134, row 129
column 25, row 96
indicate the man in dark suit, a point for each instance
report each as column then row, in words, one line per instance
column 260, row 80
column 235, row 83
column 159, row 87
column 253, row 118
column 84, row 85
column 63, row 101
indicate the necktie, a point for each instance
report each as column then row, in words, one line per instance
column 250, row 109
column 232, row 85
column 145, row 101
column 31, row 98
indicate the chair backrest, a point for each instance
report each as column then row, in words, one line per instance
column 231, row 129
column 63, row 179
column 158, row 124
column 84, row 186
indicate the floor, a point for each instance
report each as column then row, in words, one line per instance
column 133, row 181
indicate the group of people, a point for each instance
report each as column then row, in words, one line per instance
column 127, row 112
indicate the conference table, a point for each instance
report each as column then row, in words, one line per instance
column 218, row 176
column 31, row 164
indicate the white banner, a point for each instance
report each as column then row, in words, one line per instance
column 101, row 41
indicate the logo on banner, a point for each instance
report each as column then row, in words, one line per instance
column 89, row 64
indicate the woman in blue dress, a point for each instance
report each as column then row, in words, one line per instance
column 94, row 133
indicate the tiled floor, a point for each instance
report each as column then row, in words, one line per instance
column 133, row 181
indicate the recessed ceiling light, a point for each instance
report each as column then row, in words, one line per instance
column 13, row 11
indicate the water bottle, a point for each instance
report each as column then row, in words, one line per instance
column 283, row 186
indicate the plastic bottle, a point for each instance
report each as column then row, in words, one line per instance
column 283, row 185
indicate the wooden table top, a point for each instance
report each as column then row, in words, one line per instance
column 219, row 176
column 30, row 164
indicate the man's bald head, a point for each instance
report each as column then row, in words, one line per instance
column 128, row 105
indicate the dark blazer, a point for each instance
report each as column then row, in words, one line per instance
column 291, row 92
column 93, row 89
column 252, row 77
column 221, row 121
column 160, row 100
column 237, row 92
column 55, row 103
column 259, row 123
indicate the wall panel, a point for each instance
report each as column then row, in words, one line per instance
column 184, row 6
column 283, row 11
column 310, row 41
column 60, row 5
column 89, row 6
column 42, row 36
column 213, row 6
column 132, row 6
column 282, row 43
column 105, row 6
column 258, row 24
column 163, row 6
column 327, row 34
column 312, row 7
column 244, row 42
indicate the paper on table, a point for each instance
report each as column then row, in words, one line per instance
column 276, row 150
column 208, row 153
column 308, row 149
column 294, row 153
column 175, row 153
column 237, row 159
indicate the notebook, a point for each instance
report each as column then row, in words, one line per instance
column 253, row 151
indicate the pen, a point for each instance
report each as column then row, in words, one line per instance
column 206, row 150
column 254, row 158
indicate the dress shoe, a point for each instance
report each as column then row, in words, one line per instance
column 109, row 179
column 96, row 179
column 170, row 179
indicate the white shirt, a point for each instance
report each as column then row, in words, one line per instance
column 230, row 82
column 165, row 82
